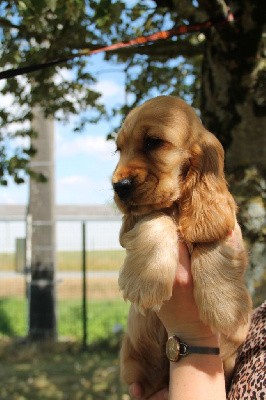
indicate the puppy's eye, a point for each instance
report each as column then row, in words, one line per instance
column 152, row 143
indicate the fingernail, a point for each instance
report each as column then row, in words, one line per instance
column 165, row 395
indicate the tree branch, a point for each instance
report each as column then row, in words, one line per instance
column 165, row 48
column 8, row 24
column 170, row 49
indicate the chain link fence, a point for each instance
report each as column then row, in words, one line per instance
column 89, row 307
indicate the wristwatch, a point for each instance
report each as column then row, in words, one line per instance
column 175, row 349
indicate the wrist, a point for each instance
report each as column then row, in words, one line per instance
column 196, row 333
column 177, row 349
column 209, row 341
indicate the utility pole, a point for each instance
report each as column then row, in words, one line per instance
column 42, row 303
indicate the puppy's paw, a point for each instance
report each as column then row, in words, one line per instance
column 147, row 276
column 219, row 289
column 145, row 292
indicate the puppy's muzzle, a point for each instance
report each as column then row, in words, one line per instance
column 124, row 188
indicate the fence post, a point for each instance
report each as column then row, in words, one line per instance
column 84, row 288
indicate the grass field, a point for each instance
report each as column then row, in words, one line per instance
column 62, row 371
column 104, row 319
column 97, row 260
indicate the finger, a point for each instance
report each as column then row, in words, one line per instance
column 235, row 238
column 136, row 391
column 183, row 273
column 184, row 256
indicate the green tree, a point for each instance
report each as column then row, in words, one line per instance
column 221, row 71
column 33, row 32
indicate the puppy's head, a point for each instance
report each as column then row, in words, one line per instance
column 167, row 158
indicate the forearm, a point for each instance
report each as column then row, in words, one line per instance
column 197, row 377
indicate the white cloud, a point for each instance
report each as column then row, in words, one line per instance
column 109, row 88
column 14, row 194
column 74, row 180
column 88, row 145
column 80, row 189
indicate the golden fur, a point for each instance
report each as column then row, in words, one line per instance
column 173, row 168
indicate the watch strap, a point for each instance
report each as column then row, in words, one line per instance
column 203, row 350
column 181, row 349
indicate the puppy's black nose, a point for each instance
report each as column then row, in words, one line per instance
column 124, row 187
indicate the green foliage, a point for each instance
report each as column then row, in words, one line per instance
column 157, row 68
column 33, row 32
column 38, row 31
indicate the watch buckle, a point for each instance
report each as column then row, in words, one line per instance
column 183, row 349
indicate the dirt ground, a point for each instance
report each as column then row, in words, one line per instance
column 59, row 371
column 67, row 288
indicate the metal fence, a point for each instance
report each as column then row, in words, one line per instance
column 89, row 305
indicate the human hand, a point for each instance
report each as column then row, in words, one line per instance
column 180, row 315
column 180, row 311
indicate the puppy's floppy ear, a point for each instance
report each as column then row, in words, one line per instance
column 207, row 209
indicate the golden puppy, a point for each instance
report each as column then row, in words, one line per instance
column 170, row 184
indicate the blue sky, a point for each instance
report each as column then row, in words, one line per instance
column 84, row 161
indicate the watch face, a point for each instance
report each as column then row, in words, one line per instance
column 173, row 348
